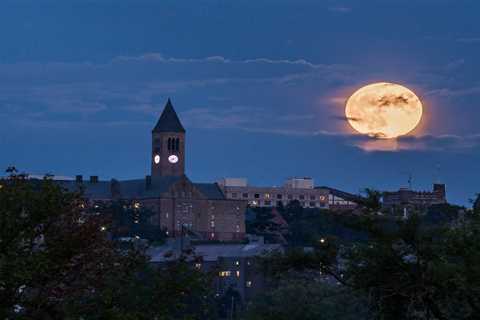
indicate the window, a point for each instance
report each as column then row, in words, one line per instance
column 198, row 265
column 237, row 263
column 225, row 273
column 268, row 202
column 279, row 203
column 245, row 195
column 302, row 197
column 237, row 228
column 290, row 197
column 257, row 196
column 177, row 144
column 312, row 204
column 212, row 224
column 279, row 196
column 234, row 194
column 267, row 195
column 238, row 274
column 312, row 197
column 248, row 284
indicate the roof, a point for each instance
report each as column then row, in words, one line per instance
column 136, row 189
column 212, row 252
column 342, row 194
column 169, row 121
column 210, row 190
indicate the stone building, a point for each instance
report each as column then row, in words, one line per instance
column 407, row 198
column 179, row 205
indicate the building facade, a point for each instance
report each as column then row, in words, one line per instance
column 407, row 198
column 179, row 205
column 301, row 189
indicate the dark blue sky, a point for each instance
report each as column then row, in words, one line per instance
column 259, row 86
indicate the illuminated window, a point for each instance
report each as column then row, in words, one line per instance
column 237, row 228
column 212, row 224
column 136, row 205
column 248, row 284
column 237, row 263
column 212, row 235
column 198, row 265
column 267, row 195
column 225, row 273
column 238, row 274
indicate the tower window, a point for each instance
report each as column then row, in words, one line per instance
column 177, row 144
column 169, row 144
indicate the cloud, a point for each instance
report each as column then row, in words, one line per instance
column 440, row 143
column 340, row 9
column 469, row 40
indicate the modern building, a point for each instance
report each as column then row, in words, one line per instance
column 301, row 189
column 179, row 205
column 407, row 198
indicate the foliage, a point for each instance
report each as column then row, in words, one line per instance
column 305, row 300
column 57, row 261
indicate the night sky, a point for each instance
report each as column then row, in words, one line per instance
column 259, row 85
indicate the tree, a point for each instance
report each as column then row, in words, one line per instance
column 372, row 200
column 57, row 261
column 307, row 300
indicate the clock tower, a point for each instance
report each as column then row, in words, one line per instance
column 168, row 145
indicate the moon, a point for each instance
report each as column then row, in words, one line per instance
column 384, row 110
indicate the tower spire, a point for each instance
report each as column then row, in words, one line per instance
column 169, row 121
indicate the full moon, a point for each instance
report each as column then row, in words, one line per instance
column 384, row 110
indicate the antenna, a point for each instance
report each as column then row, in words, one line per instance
column 410, row 178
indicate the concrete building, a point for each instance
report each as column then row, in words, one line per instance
column 301, row 189
column 179, row 205
column 407, row 198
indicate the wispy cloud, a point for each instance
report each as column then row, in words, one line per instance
column 340, row 9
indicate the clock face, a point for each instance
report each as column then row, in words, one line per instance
column 156, row 159
column 173, row 159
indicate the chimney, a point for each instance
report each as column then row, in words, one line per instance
column 148, row 182
column 79, row 178
column 93, row 179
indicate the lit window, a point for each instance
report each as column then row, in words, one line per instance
column 198, row 265
column 267, row 196
column 212, row 224
column 237, row 228
column 212, row 235
column 248, row 284
column 103, row 228
column 225, row 273
column 237, row 263
column 136, row 205
column 238, row 274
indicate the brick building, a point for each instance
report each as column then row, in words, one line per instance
column 179, row 205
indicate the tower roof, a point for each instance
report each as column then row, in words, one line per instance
column 169, row 121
